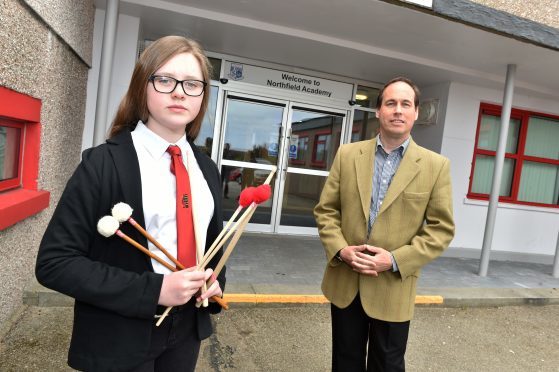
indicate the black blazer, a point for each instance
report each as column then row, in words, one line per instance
column 115, row 288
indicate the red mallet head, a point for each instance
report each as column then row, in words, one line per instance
column 247, row 196
column 262, row 193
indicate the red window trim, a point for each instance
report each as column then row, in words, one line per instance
column 314, row 162
column 26, row 200
column 523, row 116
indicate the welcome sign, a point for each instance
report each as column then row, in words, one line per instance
column 310, row 85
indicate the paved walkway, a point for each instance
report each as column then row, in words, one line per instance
column 273, row 268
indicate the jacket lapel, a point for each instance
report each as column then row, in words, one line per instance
column 126, row 162
column 406, row 172
column 364, row 166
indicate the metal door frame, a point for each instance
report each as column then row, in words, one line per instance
column 283, row 154
column 285, row 169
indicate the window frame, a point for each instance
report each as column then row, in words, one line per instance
column 314, row 161
column 23, row 200
column 519, row 156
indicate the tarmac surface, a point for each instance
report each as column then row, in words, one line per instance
column 279, row 320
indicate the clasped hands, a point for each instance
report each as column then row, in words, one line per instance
column 367, row 259
column 179, row 287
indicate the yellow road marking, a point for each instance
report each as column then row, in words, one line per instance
column 304, row 299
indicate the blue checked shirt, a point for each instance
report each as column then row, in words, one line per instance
column 386, row 166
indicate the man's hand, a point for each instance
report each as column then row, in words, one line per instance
column 366, row 259
column 381, row 257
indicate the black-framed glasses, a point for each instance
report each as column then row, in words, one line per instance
column 167, row 84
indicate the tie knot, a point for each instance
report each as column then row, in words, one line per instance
column 174, row 150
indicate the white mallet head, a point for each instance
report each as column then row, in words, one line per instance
column 122, row 212
column 107, row 226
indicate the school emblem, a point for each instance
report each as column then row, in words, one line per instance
column 236, row 71
column 185, row 200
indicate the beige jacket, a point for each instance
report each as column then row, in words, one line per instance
column 415, row 223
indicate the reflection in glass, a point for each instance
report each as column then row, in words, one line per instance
column 253, row 131
column 365, row 126
column 366, row 96
column 483, row 175
column 234, row 180
column 315, row 138
column 301, row 194
column 9, row 152
column 204, row 141
column 489, row 133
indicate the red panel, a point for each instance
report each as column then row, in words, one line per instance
column 19, row 106
column 19, row 204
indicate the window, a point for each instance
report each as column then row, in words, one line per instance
column 531, row 167
column 204, row 141
column 365, row 124
column 321, row 146
column 20, row 140
column 11, row 143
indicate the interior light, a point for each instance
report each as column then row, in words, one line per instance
column 361, row 97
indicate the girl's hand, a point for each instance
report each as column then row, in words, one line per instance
column 213, row 290
column 179, row 287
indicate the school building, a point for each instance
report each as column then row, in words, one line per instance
column 292, row 81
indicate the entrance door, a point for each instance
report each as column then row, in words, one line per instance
column 253, row 132
column 313, row 137
column 300, row 140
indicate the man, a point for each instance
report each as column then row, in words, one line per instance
column 385, row 211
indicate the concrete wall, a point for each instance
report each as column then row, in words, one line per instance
column 49, row 62
column 519, row 229
column 542, row 11
column 431, row 136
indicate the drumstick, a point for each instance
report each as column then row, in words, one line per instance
column 248, row 196
column 108, row 226
column 123, row 212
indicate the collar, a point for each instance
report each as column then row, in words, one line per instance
column 402, row 148
column 154, row 144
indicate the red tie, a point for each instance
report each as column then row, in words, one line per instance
column 186, row 240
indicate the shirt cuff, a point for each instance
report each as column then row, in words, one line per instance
column 394, row 264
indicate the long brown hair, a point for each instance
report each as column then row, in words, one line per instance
column 133, row 106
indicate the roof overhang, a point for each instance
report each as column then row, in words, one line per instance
column 360, row 39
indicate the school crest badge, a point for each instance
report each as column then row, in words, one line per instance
column 236, row 71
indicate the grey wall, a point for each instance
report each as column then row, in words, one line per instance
column 431, row 136
column 38, row 60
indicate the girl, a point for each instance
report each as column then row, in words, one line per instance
column 119, row 292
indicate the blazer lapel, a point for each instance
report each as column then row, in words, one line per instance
column 406, row 172
column 128, row 168
column 364, row 166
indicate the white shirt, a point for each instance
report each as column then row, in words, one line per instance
column 159, row 193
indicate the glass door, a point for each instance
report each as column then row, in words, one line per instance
column 312, row 140
column 253, row 134
column 300, row 140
